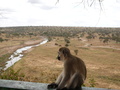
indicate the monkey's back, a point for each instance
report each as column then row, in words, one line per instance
column 79, row 66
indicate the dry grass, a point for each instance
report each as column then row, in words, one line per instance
column 41, row 65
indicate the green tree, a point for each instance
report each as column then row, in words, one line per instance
column 89, row 37
column 105, row 40
column 1, row 39
column 49, row 39
column 66, row 44
column 76, row 52
column 67, row 40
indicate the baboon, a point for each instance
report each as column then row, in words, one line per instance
column 73, row 74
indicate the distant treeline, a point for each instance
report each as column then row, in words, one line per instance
column 105, row 34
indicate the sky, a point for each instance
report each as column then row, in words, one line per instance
column 62, row 13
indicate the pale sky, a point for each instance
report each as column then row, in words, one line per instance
column 64, row 13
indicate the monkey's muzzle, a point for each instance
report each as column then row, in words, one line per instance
column 58, row 57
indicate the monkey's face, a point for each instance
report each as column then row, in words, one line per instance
column 60, row 56
column 63, row 54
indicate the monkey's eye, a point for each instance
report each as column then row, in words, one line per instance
column 58, row 53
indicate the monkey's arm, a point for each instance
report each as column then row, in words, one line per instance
column 59, row 79
column 66, row 76
column 63, row 82
column 57, row 82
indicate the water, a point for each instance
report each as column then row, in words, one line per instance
column 17, row 55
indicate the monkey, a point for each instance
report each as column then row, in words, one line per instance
column 74, row 73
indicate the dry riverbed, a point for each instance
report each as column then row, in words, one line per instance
column 7, row 50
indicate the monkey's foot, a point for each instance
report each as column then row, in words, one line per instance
column 52, row 86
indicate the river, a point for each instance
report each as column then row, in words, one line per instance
column 18, row 54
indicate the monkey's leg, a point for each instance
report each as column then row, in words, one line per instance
column 75, row 82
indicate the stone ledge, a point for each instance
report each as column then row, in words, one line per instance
column 21, row 85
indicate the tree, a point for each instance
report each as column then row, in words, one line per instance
column 1, row 40
column 76, row 52
column 89, row 37
column 67, row 40
column 66, row 44
column 100, row 38
column 49, row 39
column 89, row 2
column 105, row 40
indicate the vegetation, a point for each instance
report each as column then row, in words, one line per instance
column 49, row 38
column 3, row 59
column 67, row 40
column 105, row 34
column 92, row 82
column 76, row 52
column 12, row 75
column 1, row 40
column 98, row 47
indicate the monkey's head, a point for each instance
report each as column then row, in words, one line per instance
column 63, row 53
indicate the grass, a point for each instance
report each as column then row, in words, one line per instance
column 12, row 75
column 3, row 59
column 114, row 78
column 41, row 65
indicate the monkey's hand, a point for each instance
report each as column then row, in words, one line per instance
column 52, row 86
